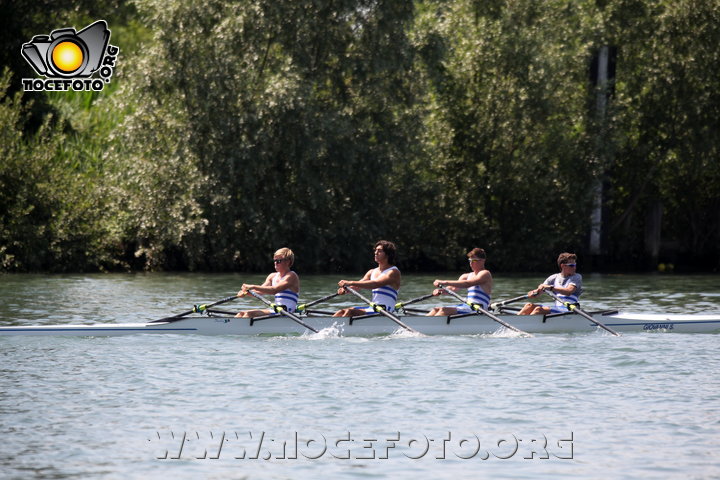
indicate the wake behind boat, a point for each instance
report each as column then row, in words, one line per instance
column 376, row 324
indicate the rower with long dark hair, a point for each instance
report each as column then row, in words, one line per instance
column 383, row 280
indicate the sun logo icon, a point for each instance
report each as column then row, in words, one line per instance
column 67, row 56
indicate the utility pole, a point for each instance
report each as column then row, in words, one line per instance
column 601, row 80
column 602, row 74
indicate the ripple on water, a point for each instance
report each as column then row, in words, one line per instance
column 638, row 406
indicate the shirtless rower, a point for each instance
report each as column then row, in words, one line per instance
column 383, row 280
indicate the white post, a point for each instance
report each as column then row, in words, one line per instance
column 601, row 106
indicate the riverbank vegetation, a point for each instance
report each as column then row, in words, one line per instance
column 231, row 129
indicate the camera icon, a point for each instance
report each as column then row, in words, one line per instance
column 67, row 53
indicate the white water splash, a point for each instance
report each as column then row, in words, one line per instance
column 405, row 333
column 504, row 332
column 333, row 331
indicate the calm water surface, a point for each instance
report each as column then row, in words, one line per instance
column 644, row 405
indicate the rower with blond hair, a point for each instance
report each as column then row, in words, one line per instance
column 283, row 283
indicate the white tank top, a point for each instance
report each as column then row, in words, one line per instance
column 386, row 296
column 287, row 298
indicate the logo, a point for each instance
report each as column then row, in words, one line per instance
column 68, row 59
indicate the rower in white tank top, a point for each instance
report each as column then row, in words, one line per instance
column 384, row 281
column 479, row 283
column 476, row 295
column 284, row 284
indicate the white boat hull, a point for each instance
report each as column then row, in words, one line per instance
column 380, row 325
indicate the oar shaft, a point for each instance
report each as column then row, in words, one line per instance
column 304, row 306
column 381, row 310
column 479, row 309
column 282, row 311
column 574, row 308
column 200, row 308
column 419, row 311
column 511, row 300
column 414, row 300
column 196, row 309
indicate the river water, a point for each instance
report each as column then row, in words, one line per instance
column 644, row 405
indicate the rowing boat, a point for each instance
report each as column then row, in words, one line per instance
column 468, row 324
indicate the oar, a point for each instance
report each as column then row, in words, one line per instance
column 195, row 309
column 282, row 311
column 478, row 309
column 303, row 306
column 400, row 305
column 496, row 305
column 381, row 309
column 416, row 310
column 574, row 308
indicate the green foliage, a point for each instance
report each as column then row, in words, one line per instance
column 508, row 123
column 234, row 128
column 285, row 121
column 51, row 204
column 668, row 120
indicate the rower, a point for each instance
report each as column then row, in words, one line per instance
column 479, row 283
column 567, row 285
column 383, row 280
column 283, row 283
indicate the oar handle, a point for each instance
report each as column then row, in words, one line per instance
column 381, row 309
column 278, row 309
column 576, row 309
column 479, row 310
